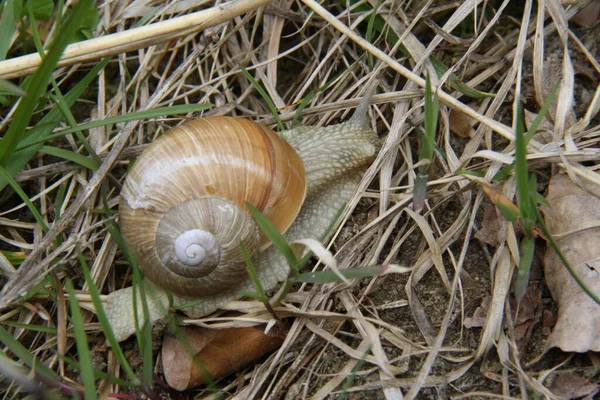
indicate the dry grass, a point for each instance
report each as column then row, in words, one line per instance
column 408, row 330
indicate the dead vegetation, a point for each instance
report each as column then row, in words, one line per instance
column 450, row 328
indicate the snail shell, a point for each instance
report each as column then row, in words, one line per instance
column 183, row 205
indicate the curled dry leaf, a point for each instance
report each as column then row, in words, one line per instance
column 461, row 124
column 506, row 207
column 574, row 221
column 202, row 353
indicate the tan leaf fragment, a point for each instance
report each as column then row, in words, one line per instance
column 209, row 353
column 588, row 15
column 461, row 124
column 573, row 386
column 574, row 221
column 491, row 229
column 479, row 315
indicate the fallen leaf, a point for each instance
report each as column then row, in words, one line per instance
column 200, row 355
column 548, row 322
column 506, row 207
column 588, row 15
column 527, row 315
column 573, row 218
column 572, row 386
column 479, row 315
column 491, row 227
column 461, row 124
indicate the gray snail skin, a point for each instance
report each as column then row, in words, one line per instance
column 182, row 208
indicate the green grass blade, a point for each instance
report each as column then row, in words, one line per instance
column 303, row 103
column 14, row 257
column 41, row 9
column 330, row 276
column 432, row 107
column 260, row 295
column 349, row 381
column 541, row 115
column 68, row 155
column 263, row 93
column 525, row 259
column 66, row 112
column 146, row 114
column 427, row 146
column 370, row 29
column 15, row 186
column 20, row 158
column 522, row 173
column 9, row 88
column 564, row 260
column 35, row 34
column 103, row 320
column 39, row 82
column 31, row 327
column 274, row 235
column 25, row 355
column 8, row 25
column 97, row 373
column 143, row 331
column 83, row 351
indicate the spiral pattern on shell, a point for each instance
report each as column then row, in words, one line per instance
column 183, row 204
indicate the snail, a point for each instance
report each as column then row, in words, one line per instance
column 183, row 206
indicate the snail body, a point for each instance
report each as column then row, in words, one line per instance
column 334, row 159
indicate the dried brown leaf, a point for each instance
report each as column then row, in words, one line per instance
column 491, row 227
column 588, row 15
column 202, row 353
column 461, row 124
column 574, row 221
column 573, row 386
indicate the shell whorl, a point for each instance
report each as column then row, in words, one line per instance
column 183, row 203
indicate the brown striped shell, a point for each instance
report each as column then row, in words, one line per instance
column 183, row 205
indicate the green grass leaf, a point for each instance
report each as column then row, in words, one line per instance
column 427, row 145
column 143, row 331
column 522, row 174
column 14, row 257
column 36, row 87
column 42, row 9
column 68, row 155
column 432, row 106
column 83, row 351
column 349, row 381
column 138, row 115
column 271, row 232
column 8, row 25
column 541, row 115
column 25, row 355
column 330, row 276
column 31, row 327
column 564, row 260
column 260, row 292
column 525, row 259
column 9, row 88
column 103, row 320
column 263, row 93
column 21, row 157
column 15, row 186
